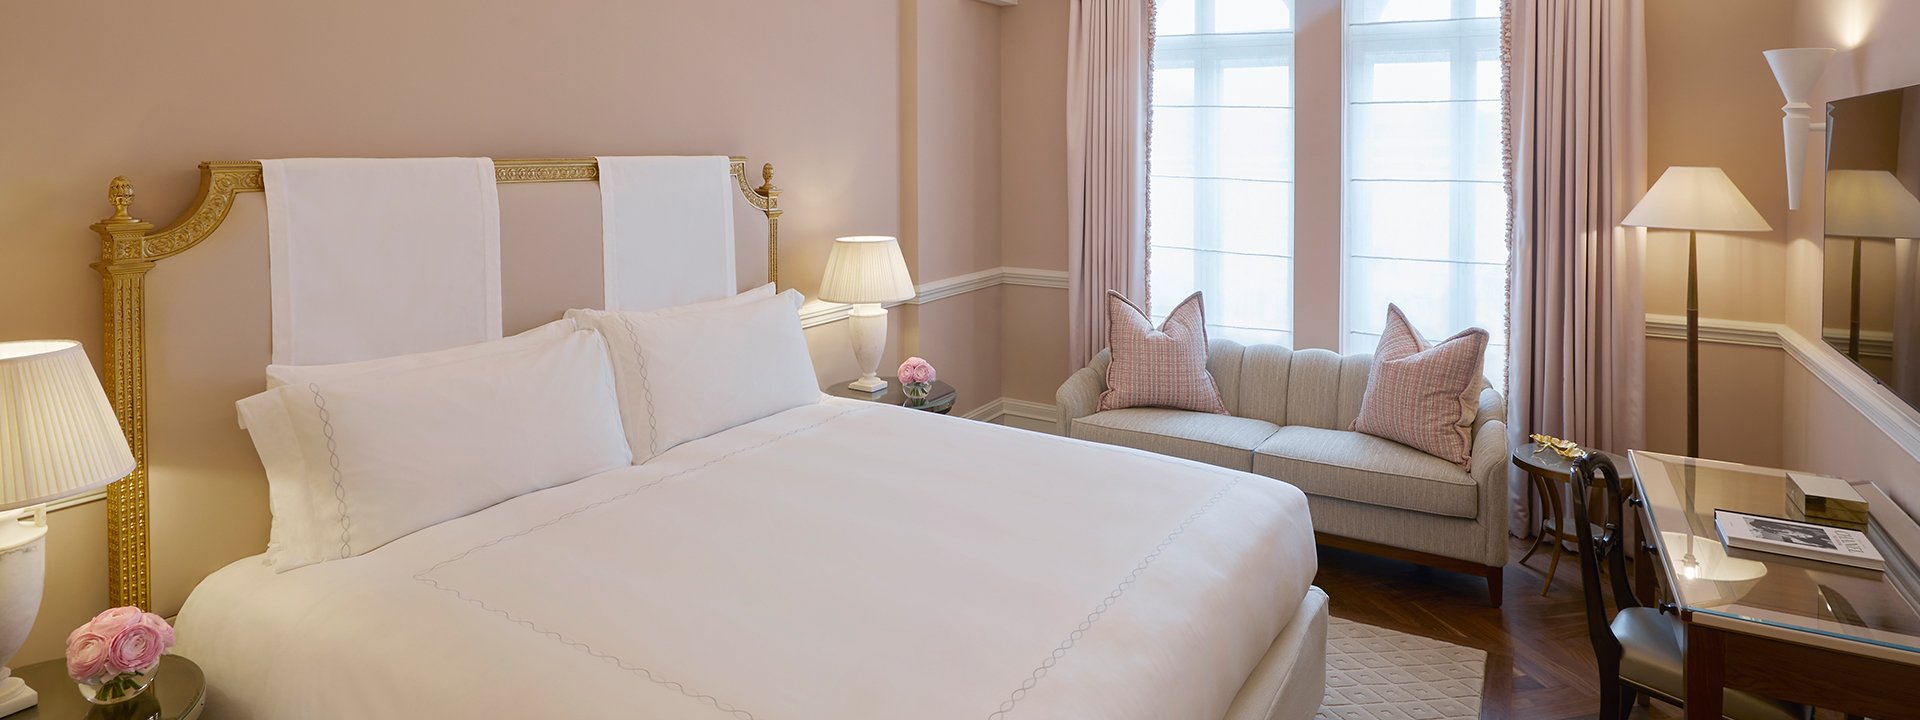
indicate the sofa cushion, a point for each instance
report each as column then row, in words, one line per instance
column 1222, row 440
column 1362, row 468
column 1159, row 367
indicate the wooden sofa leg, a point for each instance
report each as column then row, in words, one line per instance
column 1494, row 578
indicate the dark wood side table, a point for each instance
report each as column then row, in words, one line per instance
column 939, row 399
column 1550, row 472
column 179, row 692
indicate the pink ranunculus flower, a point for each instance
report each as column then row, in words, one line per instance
column 109, row 622
column 136, row 648
column 86, row 656
column 915, row 371
column 160, row 627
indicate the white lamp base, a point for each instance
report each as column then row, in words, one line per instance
column 16, row 696
column 868, row 329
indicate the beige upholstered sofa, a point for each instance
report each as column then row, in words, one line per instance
column 1289, row 414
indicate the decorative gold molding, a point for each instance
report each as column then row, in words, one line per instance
column 129, row 247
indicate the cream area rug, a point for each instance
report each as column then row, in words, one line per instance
column 1379, row 674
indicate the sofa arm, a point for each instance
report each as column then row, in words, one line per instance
column 1490, row 459
column 1079, row 396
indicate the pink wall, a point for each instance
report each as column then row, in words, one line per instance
column 882, row 116
column 1822, row 431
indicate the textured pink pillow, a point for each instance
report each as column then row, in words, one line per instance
column 1424, row 395
column 1165, row 367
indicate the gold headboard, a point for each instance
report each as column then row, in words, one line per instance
column 130, row 247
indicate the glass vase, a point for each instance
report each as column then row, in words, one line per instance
column 917, row 392
column 119, row 688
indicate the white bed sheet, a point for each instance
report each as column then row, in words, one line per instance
column 839, row 560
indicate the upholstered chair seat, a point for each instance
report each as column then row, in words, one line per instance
column 1654, row 659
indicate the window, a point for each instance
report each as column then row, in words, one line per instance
column 1423, row 201
column 1221, row 187
column 1426, row 202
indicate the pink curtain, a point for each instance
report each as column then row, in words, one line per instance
column 1109, row 63
column 1577, row 145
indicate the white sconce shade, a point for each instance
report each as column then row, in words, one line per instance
column 1797, row 70
column 58, row 433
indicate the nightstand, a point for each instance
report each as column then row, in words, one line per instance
column 939, row 399
column 179, row 692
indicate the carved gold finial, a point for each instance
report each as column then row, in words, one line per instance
column 120, row 193
column 767, row 188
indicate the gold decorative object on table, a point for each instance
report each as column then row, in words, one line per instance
column 129, row 247
column 1564, row 448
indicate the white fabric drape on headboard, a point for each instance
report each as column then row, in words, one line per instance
column 371, row 258
column 668, row 228
column 1577, row 138
column 1109, row 58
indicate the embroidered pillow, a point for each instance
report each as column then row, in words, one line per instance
column 1422, row 394
column 1163, row 367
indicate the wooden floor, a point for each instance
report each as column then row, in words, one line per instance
column 1540, row 663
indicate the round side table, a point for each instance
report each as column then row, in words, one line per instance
column 1548, row 472
column 179, row 692
column 939, row 398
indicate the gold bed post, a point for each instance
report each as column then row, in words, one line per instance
column 123, row 269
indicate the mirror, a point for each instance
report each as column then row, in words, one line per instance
column 1871, row 301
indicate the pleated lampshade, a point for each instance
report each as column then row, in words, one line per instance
column 58, row 434
column 866, row 269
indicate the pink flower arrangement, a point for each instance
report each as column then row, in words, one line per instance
column 916, row 371
column 115, row 647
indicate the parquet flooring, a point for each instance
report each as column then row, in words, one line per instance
column 1540, row 664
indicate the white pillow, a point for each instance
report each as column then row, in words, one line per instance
column 357, row 461
column 635, row 410
column 278, row 375
column 690, row 373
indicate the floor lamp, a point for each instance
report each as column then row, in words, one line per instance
column 1861, row 205
column 1695, row 199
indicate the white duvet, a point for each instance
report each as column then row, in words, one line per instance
column 843, row 561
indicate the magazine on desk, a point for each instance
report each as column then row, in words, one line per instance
column 1798, row 539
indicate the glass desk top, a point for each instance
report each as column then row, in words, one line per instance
column 1776, row 595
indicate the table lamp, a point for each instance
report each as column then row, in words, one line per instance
column 867, row 270
column 1695, row 199
column 1867, row 204
column 58, row 438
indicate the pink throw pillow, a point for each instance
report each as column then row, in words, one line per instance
column 1163, row 367
column 1424, row 395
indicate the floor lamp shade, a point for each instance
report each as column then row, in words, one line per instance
column 58, row 438
column 58, row 434
column 867, row 270
column 1870, row 204
column 1694, row 199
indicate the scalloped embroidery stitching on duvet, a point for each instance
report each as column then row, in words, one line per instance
column 645, row 673
column 1106, row 604
column 333, row 462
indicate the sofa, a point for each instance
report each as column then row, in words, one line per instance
column 1288, row 414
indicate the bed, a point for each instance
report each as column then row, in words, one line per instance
column 834, row 560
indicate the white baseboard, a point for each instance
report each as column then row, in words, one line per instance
column 1024, row 414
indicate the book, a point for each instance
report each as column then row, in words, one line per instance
column 1823, row 500
column 1797, row 539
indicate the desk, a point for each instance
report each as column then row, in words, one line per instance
column 1798, row 630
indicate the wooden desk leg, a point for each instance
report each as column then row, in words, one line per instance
column 1706, row 673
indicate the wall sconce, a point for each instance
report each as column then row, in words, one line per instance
column 1797, row 70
